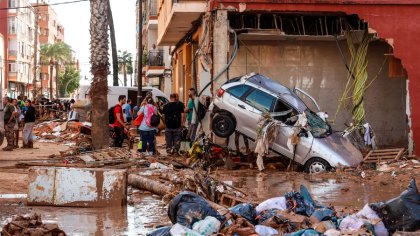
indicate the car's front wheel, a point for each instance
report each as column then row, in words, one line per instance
column 223, row 125
column 316, row 165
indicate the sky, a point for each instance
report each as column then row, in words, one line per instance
column 75, row 19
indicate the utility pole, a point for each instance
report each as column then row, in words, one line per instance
column 140, row 53
column 34, row 92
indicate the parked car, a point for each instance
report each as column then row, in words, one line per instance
column 239, row 106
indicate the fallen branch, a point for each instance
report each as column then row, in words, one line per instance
column 150, row 185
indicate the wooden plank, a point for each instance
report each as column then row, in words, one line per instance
column 400, row 154
column 368, row 155
column 384, row 154
column 387, row 150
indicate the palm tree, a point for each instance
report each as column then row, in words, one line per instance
column 55, row 55
column 125, row 64
column 113, row 46
column 100, row 68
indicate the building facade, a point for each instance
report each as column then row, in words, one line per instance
column 17, row 26
column 156, row 59
column 50, row 31
column 302, row 44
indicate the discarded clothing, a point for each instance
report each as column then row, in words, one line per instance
column 245, row 210
column 163, row 231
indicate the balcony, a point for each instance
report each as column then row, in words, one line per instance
column 154, row 62
column 150, row 14
column 13, row 53
column 175, row 19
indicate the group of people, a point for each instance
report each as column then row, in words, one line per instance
column 174, row 114
column 18, row 113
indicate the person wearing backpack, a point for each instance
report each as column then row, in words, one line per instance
column 119, row 124
column 148, row 126
column 172, row 113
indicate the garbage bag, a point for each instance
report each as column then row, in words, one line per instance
column 246, row 210
column 403, row 212
column 207, row 227
column 268, row 214
column 163, row 231
column 305, row 232
column 272, row 203
column 187, row 208
column 180, row 230
column 265, row 230
column 300, row 202
column 324, row 214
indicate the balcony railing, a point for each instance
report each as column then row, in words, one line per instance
column 153, row 7
column 155, row 58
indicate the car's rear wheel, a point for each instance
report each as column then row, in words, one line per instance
column 317, row 165
column 223, row 125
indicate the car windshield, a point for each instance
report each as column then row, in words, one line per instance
column 319, row 128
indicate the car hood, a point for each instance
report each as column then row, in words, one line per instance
column 340, row 151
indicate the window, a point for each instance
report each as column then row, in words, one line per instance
column 260, row 100
column 238, row 91
column 12, row 3
column 12, row 67
column 12, row 25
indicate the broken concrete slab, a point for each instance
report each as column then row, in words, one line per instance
column 77, row 187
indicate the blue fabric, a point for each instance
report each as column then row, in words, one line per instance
column 127, row 109
column 143, row 126
column 147, row 137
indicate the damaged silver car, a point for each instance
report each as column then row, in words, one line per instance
column 241, row 102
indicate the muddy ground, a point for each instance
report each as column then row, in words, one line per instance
column 340, row 189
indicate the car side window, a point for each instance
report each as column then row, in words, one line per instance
column 239, row 90
column 260, row 100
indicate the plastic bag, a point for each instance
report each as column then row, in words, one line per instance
column 207, row 227
column 187, row 208
column 300, row 202
column 265, row 230
column 324, row 214
column 245, row 210
column 163, row 231
column 180, row 230
column 364, row 218
column 403, row 212
column 278, row 203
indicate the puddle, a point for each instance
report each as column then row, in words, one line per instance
column 327, row 191
column 131, row 220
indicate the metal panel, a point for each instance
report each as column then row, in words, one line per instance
column 77, row 187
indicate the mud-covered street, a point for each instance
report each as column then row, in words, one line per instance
column 346, row 191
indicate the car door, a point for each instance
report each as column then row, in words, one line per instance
column 285, row 131
column 250, row 109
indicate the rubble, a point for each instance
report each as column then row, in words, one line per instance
column 31, row 225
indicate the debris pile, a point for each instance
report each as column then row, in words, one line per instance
column 58, row 131
column 31, row 225
column 294, row 214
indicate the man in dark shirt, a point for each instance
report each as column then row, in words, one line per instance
column 30, row 116
column 119, row 124
column 9, row 123
column 173, row 115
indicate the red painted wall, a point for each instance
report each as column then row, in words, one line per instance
column 397, row 20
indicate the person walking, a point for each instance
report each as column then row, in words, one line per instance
column 9, row 123
column 147, row 132
column 29, row 119
column 119, row 123
column 18, row 117
column 192, row 114
column 172, row 114
column 128, row 111
column 73, row 115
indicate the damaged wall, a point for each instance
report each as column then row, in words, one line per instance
column 317, row 67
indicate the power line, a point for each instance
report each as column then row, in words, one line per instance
column 43, row 5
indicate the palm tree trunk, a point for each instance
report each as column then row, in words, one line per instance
column 51, row 81
column 57, row 70
column 99, row 68
column 113, row 47
column 125, row 75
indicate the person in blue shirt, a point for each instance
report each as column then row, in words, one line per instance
column 128, row 111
